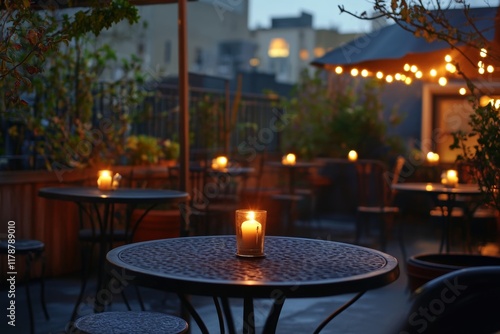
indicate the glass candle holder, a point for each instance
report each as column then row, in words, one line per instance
column 250, row 232
column 449, row 178
column 288, row 159
column 105, row 180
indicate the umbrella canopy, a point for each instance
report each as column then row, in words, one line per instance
column 394, row 53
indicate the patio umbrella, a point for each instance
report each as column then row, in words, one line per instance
column 395, row 53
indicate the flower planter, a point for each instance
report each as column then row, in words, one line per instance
column 425, row 267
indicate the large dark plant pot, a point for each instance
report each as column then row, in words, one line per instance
column 425, row 267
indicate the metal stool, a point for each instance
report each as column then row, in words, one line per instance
column 129, row 322
column 32, row 250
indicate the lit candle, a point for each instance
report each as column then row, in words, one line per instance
column 288, row 159
column 105, row 181
column 432, row 157
column 450, row 178
column 219, row 162
column 352, row 155
column 251, row 232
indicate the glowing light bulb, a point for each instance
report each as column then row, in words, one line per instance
column 364, row 73
column 433, row 73
column 380, row 75
column 447, row 58
column 354, row 72
column 397, row 76
column 414, row 68
column 483, row 53
column 418, row 75
column 408, row 80
column 462, row 91
column 490, row 69
column 442, row 81
column 481, row 70
column 406, row 67
column 339, row 69
column 389, row 78
column 450, row 68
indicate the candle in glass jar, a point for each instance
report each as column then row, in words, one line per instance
column 352, row 155
column 105, row 180
column 288, row 159
column 219, row 163
column 251, row 231
column 452, row 177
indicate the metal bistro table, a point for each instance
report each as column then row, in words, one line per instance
column 291, row 268
column 101, row 211
column 436, row 189
column 291, row 170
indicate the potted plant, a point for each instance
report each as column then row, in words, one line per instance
column 142, row 150
column 170, row 151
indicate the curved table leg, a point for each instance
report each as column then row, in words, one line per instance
column 274, row 314
column 185, row 302
column 248, row 316
column 228, row 315
column 337, row 312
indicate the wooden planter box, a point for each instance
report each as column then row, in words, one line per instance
column 157, row 224
column 56, row 222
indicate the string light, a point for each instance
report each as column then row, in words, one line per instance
column 339, row 69
column 462, row 91
column 490, row 69
column 418, row 75
column 380, row 75
column 413, row 68
column 433, row 73
column 447, row 58
column 389, row 78
column 442, row 81
column 406, row 67
column 354, row 72
column 364, row 73
column 483, row 53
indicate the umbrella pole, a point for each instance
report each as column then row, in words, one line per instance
column 183, row 97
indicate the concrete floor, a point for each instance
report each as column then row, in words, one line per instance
column 375, row 312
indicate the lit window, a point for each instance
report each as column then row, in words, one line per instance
column 278, row 48
column 304, row 54
column 319, row 52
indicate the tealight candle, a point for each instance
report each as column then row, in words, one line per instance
column 250, row 230
column 449, row 178
column 352, row 155
column 288, row 159
column 432, row 157
column 105, row 180
column 219, row 163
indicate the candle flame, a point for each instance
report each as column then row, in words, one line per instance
column 251, row 215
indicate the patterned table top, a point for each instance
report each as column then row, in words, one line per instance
column 297, row 267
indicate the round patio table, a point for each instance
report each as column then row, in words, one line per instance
column 292, row 268
column 101, row 212
column 451, row 201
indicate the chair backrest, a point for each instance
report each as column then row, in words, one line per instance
column 375, row 181
column 463, row 301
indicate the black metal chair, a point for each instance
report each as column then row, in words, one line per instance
column 463, row 301
column 32, row 250
column 375, row 196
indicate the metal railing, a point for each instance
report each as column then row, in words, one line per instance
column 158, row 116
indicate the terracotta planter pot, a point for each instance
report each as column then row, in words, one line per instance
column 425, row 267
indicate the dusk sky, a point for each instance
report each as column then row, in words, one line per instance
column 325, row 13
